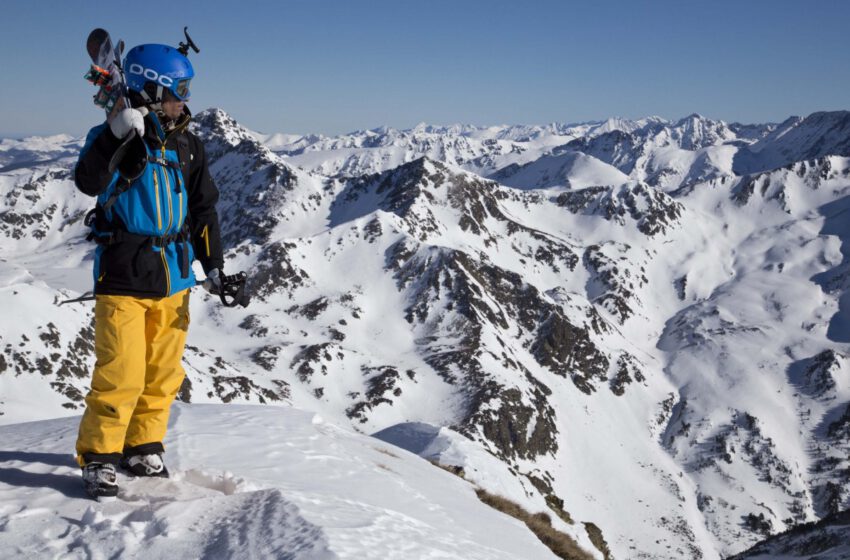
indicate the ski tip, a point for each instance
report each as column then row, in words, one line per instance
column 98, row 33
column 95, row 40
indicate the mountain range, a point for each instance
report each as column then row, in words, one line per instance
column 640, row 326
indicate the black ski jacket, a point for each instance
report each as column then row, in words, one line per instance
column 149, row 227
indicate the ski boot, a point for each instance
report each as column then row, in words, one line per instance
column 144, row 460
column 100, row 480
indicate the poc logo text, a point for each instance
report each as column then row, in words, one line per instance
column 151, row 75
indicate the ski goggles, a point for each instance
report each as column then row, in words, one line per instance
column 182, row 89
column 180, row 92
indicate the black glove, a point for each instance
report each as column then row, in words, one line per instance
column 231, row 289
column 213, row 282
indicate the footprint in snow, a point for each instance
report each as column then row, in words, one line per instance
column 200, row 514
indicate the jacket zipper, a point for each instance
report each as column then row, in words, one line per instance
column 170, row 219
column 180, row 201
column 158, row 205
column 167, row 193
column 167, row 273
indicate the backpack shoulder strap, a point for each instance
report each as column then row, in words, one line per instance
column 122, row 186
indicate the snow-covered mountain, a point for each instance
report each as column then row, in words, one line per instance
column 797, row 139
column 483, row 150
column 30, row 152
column 664, row 153
column 486, row 150
column 617, row 325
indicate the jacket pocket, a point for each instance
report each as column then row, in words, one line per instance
column 133, row 265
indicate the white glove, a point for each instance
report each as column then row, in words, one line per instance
column 127, row 120
column 212, row 284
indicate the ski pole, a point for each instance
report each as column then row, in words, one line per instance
column 88, row 296
column 233, row 291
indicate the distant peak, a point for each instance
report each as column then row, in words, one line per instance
column 383, row 129
column 215, row 115
column 215, row 112
column 695, row 117
column 826, row 116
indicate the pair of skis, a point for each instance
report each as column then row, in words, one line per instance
column 107, row 73
column 106, row 70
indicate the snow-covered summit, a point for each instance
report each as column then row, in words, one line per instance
column 250, row 482
column 569, row 169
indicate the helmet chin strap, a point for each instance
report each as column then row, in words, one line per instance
column 155, row 104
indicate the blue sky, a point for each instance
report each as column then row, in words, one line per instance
column 332, row 66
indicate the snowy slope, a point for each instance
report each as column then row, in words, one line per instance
column 571, row 169
column 742, row 353
column 248, row 482
column 629, row 334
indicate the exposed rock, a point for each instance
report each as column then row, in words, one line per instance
column 826, row 539
column 382, row 384
column 315, row 356
column 275, row 272
column 627, row 371
column 230, row 388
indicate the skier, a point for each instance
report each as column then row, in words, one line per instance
column 154, row 215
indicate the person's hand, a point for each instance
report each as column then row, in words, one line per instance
column 127, row 120
column 212, row 284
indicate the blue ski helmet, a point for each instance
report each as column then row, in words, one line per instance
column 151, row 69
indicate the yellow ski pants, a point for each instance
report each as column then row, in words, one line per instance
column 139, row 346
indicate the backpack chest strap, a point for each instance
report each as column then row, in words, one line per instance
column 164, row 162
